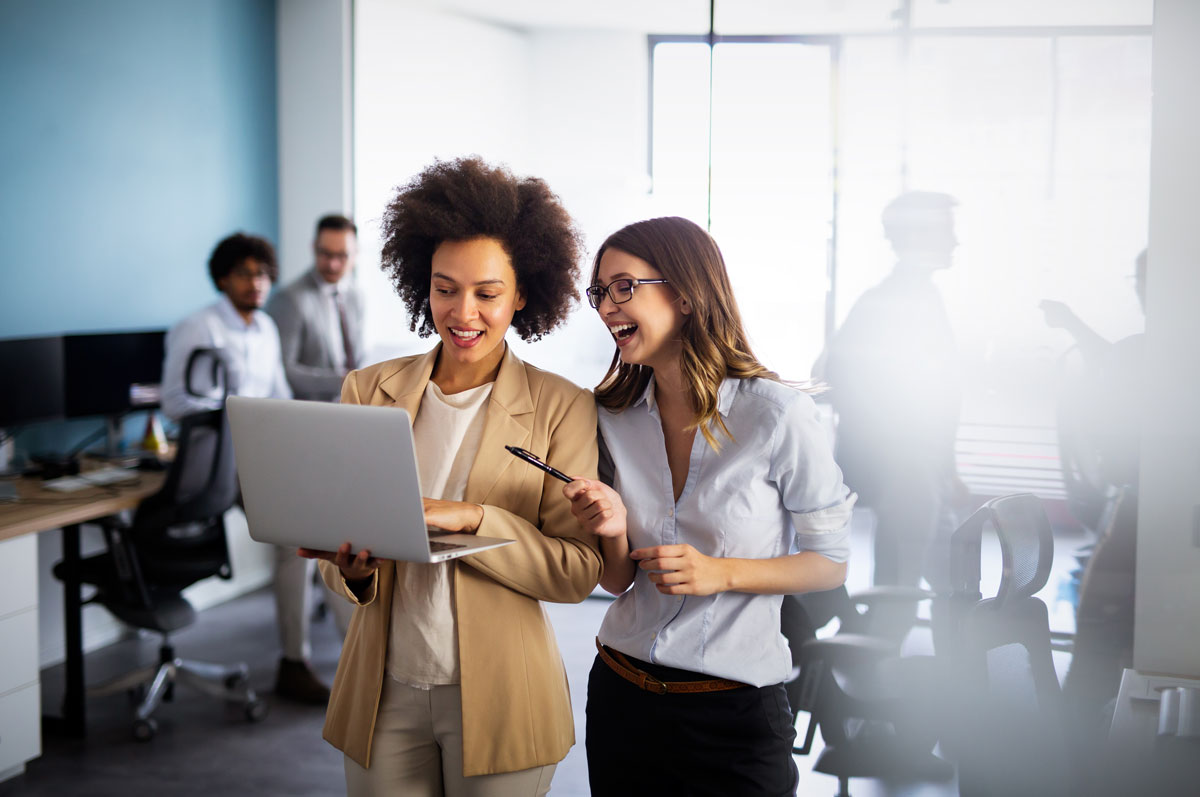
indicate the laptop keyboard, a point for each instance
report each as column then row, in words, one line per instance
column 439, row 547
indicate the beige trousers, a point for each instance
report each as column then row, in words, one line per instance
column 417, row 751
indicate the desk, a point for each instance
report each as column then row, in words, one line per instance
column 50, row 510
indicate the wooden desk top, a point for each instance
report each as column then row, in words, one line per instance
column 38, row 509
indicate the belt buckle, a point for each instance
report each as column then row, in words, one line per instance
column 652, row 684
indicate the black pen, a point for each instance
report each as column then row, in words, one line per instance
column 533, row 460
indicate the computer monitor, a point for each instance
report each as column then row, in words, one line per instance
column 31, row 371
column 112, row 373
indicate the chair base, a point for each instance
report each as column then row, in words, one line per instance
column 155, row 682
column 880, row 758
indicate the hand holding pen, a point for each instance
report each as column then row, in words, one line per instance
column 597, row 507
column 532, row 459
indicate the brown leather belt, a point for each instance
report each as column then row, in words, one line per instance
column 617, row 662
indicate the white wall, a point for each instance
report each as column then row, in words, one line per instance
column 1168, row 555
column 567, row 106
column 589, row 132
column 427, row 85
column 313, row 58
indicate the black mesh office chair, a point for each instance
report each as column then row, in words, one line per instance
column 989, row 694
column 856, row 687
column 176, row 538
column 1001, row 701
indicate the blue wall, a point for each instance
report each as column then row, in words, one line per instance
column 137, row 133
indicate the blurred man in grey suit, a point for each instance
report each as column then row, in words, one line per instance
column 319, row 315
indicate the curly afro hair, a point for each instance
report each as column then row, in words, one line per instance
column 234, row 250
column 464, row 199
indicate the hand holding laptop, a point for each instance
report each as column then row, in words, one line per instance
column 450, row 516
column 357, row 567
column 293, row 458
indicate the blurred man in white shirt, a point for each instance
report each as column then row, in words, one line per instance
column 245, row 339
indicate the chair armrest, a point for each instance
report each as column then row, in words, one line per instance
column 890, row 595
column 847, row 651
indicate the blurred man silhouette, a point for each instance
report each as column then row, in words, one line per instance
column 893, row 377
column 1101, row 404
column 1102, row 407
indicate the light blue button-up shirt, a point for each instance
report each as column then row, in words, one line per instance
column 251, row 351
column 771, row 491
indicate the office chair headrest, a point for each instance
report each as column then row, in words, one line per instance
column 1026, row 547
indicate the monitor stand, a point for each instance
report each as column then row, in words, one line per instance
column 112, row 443
column 7, row 455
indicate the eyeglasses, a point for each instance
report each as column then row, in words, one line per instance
column 250, row 274
column 329, row 254
column 620, row 291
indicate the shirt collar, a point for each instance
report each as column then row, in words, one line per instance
column 327, row 288
column 725, row 395
column 647, row 396
column 233, row 318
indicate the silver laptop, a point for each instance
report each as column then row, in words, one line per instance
column 316, row 475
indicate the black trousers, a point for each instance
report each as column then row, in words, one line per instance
column 725, row 744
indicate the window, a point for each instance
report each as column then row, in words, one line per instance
column 1043, row 137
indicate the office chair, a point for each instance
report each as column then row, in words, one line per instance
column 1001, row 702
column 853, row 685
column 176, row 538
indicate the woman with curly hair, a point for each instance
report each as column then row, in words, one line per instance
column 450, row 681
column 724, row 498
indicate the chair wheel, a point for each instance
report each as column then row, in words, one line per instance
column 144, row 730
column 256, row 711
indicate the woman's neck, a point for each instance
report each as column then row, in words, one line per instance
column 452, row 376
column 669, row 389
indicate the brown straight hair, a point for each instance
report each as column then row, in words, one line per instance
column 715, row 345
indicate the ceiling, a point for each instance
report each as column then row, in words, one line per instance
column 780, row 17
column 681, row 16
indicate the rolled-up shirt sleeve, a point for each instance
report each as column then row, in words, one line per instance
column 810, row 483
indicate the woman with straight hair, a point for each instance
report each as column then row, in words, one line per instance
column 724, row 497
column 450, row 680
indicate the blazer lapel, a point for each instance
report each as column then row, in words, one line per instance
column 509, row 422
column 405, row 388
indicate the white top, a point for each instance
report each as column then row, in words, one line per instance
column 251, row 352
column 423, row 645
column 772, row 490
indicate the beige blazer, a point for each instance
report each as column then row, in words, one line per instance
column 516, row 706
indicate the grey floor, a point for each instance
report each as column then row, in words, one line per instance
column 205, row 747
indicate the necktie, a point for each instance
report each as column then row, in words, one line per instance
column 344, row 323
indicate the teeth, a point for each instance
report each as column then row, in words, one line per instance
column 467, row 335
column 619, row 329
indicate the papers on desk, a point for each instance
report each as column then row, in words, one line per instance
column 92, row 478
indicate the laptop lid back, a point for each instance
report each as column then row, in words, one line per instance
column 315, row 475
